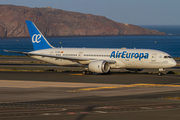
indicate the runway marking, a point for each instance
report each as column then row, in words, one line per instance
column 124, row 86
column 172, row 98
column 85, row 112
column 45, row 114
column 100, row 112
column 76, row 74
column 70, row 113
column 159, row 107
column 42, row 84
column 169, row 107
column 146, row 108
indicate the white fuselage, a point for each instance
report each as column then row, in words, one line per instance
column 125, row 58
column 96, row 60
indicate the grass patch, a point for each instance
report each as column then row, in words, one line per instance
column 14, row 56
column 176, row 58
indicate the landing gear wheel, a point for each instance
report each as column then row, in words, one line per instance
column 109, row 72
column 160, row 73
column 88, row 72
column 85, row 72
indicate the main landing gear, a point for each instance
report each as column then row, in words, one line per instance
column 86, row 72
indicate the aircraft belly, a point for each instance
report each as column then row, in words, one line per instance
column 130, row 63
column 84, row 62
column 140, row 64
column 55, row 61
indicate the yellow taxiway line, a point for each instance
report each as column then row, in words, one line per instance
column 76, row 74
column 124, row 86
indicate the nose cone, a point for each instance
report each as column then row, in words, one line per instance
column 173, row 63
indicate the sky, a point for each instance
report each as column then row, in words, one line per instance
column 137, row 12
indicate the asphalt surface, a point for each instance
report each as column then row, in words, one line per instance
column 73, row 96
column 121, row 103
column 114, row 78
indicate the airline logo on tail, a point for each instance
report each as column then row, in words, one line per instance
column 36, row 38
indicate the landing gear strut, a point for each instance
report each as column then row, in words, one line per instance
column 160, row 71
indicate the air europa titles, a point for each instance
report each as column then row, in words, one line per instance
column 125, row 54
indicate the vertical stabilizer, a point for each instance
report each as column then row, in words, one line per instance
column 38, row 40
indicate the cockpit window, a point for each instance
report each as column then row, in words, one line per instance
column 167, row 57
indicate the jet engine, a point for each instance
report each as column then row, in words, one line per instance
column 99, row 66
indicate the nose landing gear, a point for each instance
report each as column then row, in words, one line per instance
column 161, row 71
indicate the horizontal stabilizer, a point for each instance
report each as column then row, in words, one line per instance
column 14, row 51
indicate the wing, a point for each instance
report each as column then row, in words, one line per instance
column 60, row 57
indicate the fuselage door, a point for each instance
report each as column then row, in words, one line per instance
column 154, row 56
column 80, row 54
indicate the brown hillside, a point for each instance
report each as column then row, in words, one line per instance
column 56, row 22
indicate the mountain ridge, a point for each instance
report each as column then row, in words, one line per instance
column 56, row 22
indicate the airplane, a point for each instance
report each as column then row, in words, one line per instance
column 96, row 60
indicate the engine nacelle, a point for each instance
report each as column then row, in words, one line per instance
column 99, row 66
